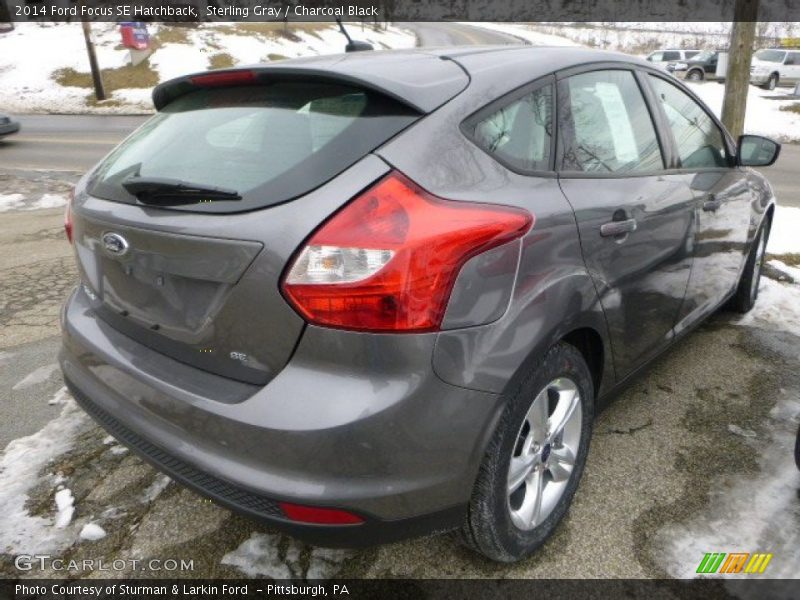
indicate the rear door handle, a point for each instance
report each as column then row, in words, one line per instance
column 712, row 204
column 615, row 228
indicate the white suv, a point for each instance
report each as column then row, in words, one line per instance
column 775, row 66
column 670, row 55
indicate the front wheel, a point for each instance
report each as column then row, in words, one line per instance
column 771, row 83
column 694, row 75
column 535, row 459
column 747, row 291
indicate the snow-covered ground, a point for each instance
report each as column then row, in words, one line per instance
column 33, row 54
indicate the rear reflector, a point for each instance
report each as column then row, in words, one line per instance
column 320, row 516
column 223, row 79
column 389, row 259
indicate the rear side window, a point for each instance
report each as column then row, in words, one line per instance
column 519, row 133
column 606, row 127
column 701, row 143
column 267, row 143
column 672, row 55
column 691, row 53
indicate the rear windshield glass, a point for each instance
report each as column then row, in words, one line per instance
column 269, row 144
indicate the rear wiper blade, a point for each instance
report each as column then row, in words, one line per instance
column 164, row 191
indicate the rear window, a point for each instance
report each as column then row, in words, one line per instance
column 267, row 143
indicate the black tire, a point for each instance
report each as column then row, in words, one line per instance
column 747, row 291
column 489, row 528
column 695, row 75
column 797, row 449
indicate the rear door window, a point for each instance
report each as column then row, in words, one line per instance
column 672, row 55
column 605, row 125
column 268, row 143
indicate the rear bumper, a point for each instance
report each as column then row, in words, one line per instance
column 356, row 422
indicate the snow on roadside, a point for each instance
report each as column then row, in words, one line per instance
column 260, row 556
column 764, row 115
column 92, row 532
column 31, row 55
column 783, row 237
column 20, row 466
column 18, row 202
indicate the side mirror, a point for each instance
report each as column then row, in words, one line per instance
column 756, row 151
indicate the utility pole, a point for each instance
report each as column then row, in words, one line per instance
column 740, row 53
column 97, row 78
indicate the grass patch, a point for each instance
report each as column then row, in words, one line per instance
column 272, row 56
column 140, row 76
column 790, row 258
column 220, row 61
column 171, row 35
column 795, row 107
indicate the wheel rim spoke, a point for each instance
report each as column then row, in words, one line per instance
column 568, row 401
column 537, row 417
column 529, row 512
column 520, row 469
column 561, row 464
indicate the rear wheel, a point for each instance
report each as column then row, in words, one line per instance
column 535, row 459
column 747, row 291
column 695, row 75
column 771, row 83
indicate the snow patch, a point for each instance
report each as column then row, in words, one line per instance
column 783, row 238
column 259, row 556
column 154, row 490
column 777, row 307
column 746, row 512
column 65, row 504
column 92, row 532
column 20, row 465
column 38, row 376
column 11, row 202
column 61, row 396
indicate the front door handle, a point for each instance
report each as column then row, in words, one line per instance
column 713, row 203
column 615, row 228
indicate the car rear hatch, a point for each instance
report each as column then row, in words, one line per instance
column 183, row 232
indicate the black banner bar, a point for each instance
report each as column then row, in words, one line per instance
column 390, row 10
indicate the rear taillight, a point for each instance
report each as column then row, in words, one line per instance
column 68, row 216
column 388, row 260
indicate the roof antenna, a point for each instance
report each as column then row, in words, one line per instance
column 352, row 45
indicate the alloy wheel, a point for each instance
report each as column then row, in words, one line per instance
column 543, row 457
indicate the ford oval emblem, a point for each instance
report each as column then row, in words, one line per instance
column 115, row 244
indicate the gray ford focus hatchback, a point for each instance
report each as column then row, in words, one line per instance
column 377, row 295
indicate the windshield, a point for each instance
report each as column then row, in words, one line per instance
column 775, row 56
column 268, row 144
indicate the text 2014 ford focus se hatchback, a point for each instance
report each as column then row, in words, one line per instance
column 371, row 296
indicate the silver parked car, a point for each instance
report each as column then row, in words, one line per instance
column 8, row 125
column 372, row 296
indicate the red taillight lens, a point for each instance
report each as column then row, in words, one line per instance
column 68, row 216
column 224, row 78
column 322, row 516
column 388, row 260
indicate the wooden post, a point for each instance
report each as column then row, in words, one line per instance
column 740, row 53
column 97, row 78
